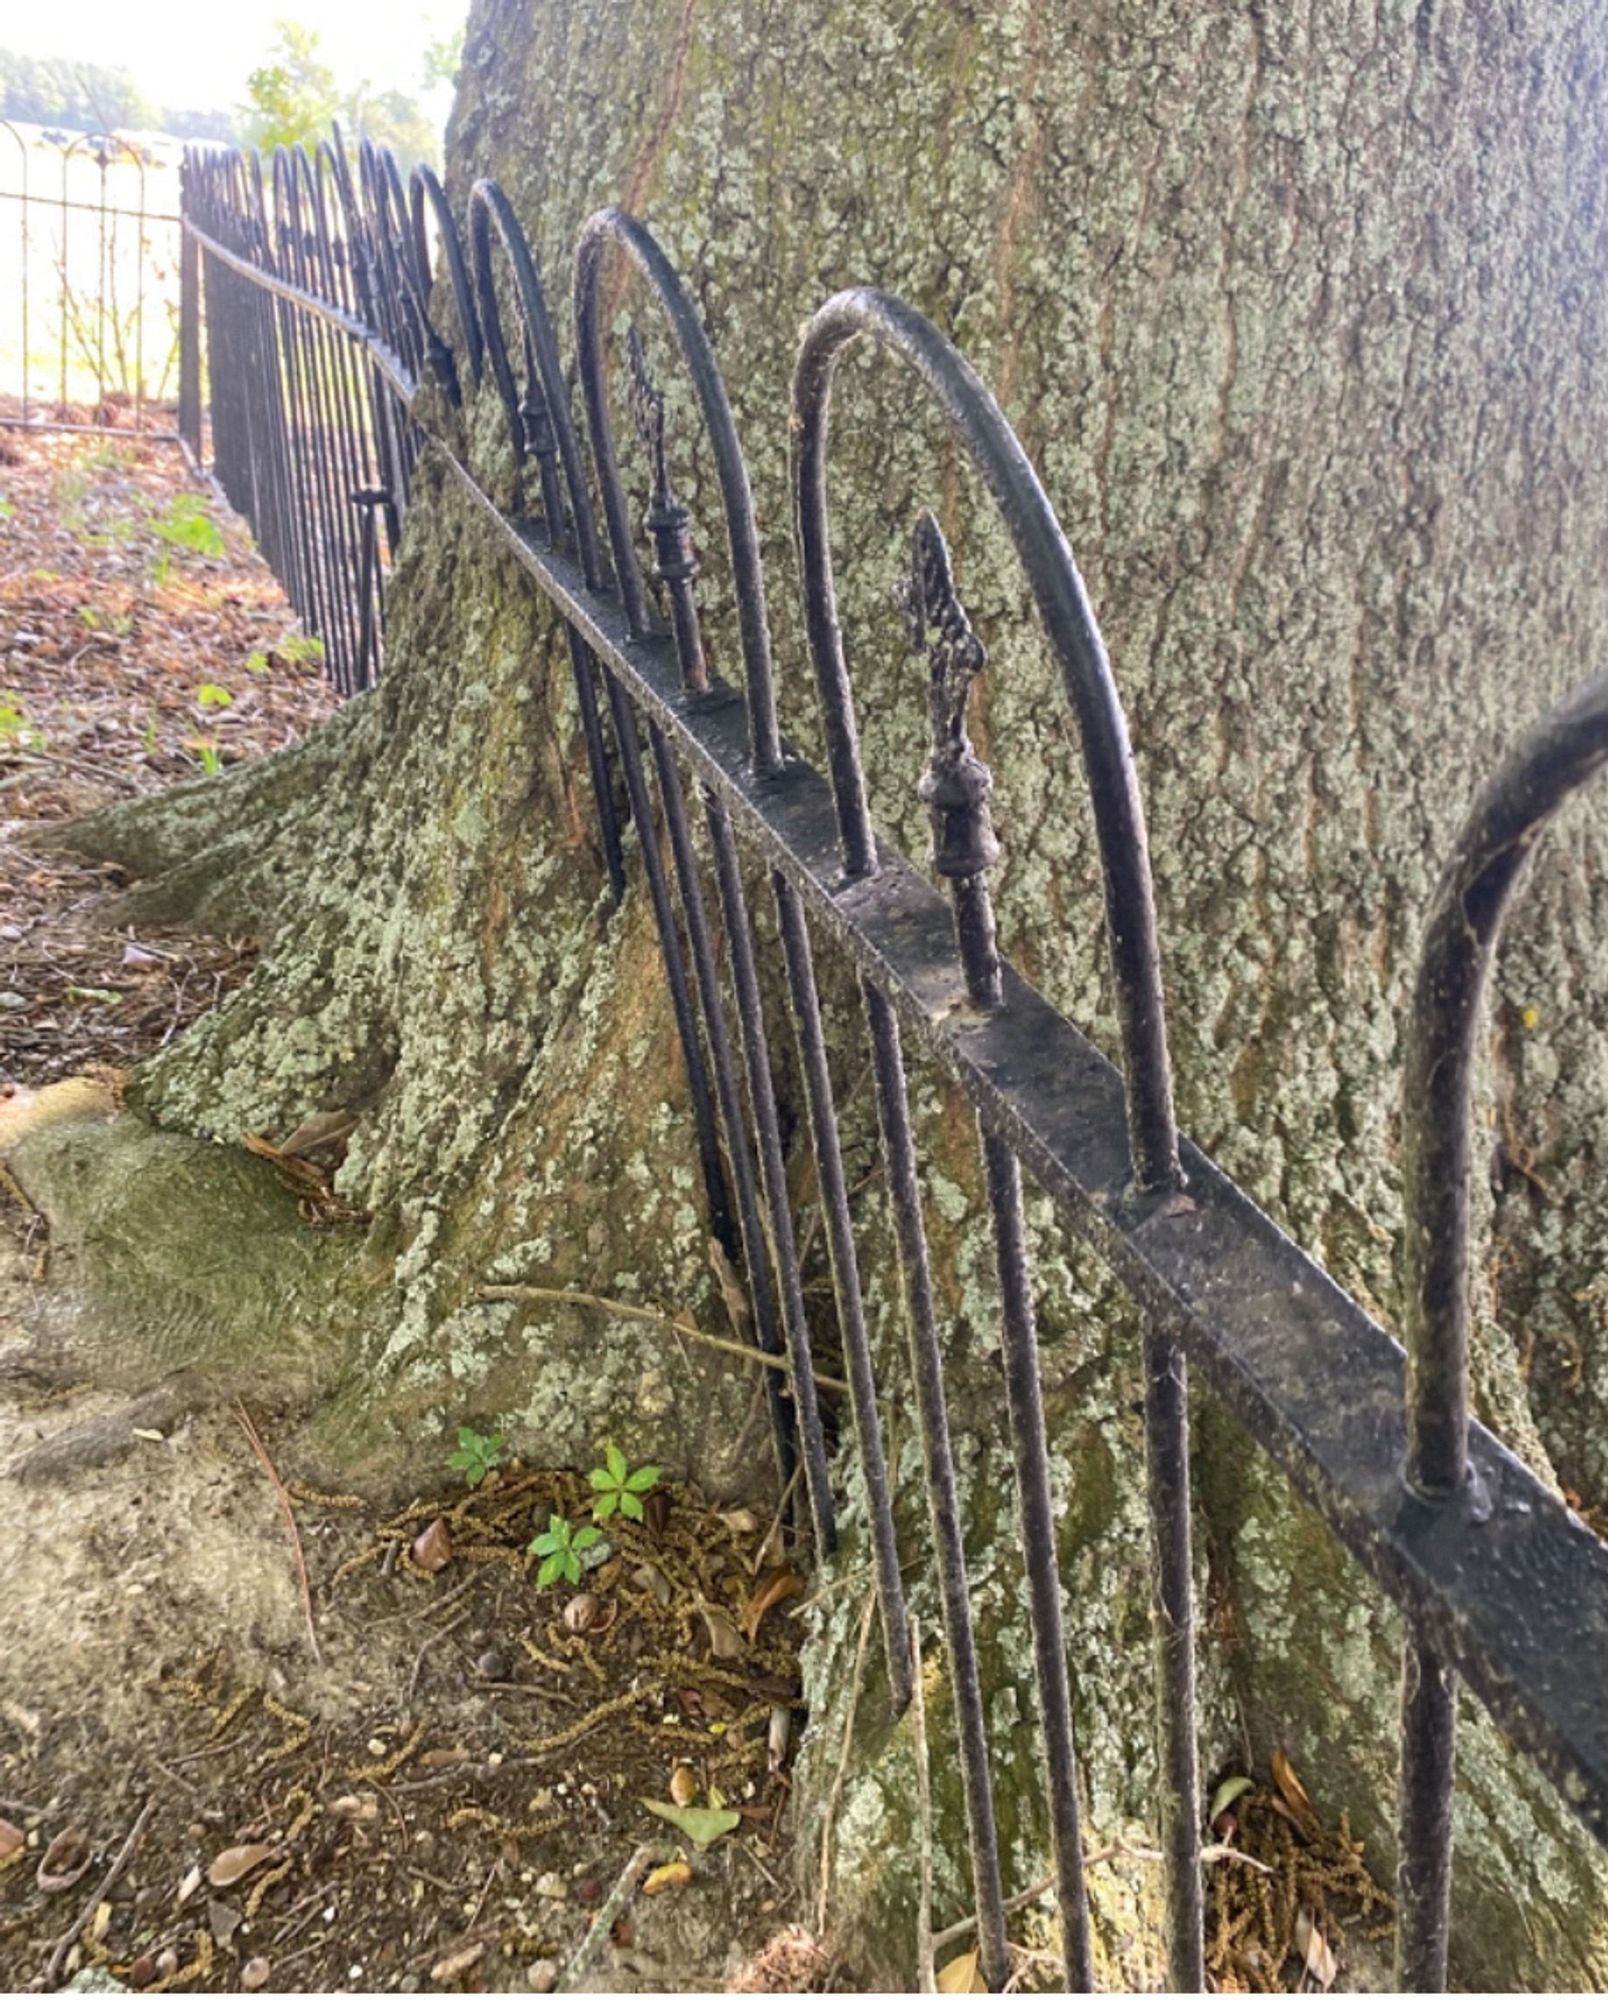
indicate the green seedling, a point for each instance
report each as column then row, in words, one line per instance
column 210, row 695
column 618, row 1488
column 561, row 1547
column 477, row 1453
column 16, row 731
column 211, row 762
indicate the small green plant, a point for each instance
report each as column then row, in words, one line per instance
column 561, row 1547
column 148, row 741
column 211, row 762
column 16, row 731
column 186, row 527
column 257, row 664
column 300, row 647
column 89, row 619
column 477, row 1454
column 618, row 1488
column 210, row 695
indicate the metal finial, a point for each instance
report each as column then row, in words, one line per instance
column 647, row 414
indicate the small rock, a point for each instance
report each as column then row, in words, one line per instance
column 254, row 1974
column 12, row 1002
column 223, row 1920
column 433, row 1549
column 142, row 1972
column 377, row 1746
column 683, row 1785
column 553, row 1887
column 491, row 1666
column 350, row 1806
column 167, row 1962
column 542, row 1975
column 444, row 1759
column 581, row 1613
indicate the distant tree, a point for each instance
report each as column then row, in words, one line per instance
column 392, row 118
column 79, row 96
column 442, row 56
column 292, row 98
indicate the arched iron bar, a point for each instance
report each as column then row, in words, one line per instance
column 669, row 525
column 614, row 225
column 489, row 208
column 425, row 190
column 1508, row 817
column 956, row 789
column 539, row 425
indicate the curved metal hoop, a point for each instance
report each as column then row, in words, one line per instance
column 1063, row 605
column 425, row 189
column 1509, row 815
column 614, row 225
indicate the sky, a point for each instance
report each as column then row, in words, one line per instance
column 195, row 55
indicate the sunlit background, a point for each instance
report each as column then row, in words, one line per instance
column 97, row 101
column 231, row 68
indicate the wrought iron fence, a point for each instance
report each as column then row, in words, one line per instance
column 325, row 325
column 97, row 323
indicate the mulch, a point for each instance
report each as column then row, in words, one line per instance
column 142, row 642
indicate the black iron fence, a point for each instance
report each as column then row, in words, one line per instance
column 325, row 325
column 96, row 332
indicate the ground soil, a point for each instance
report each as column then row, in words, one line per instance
column 445, row 1778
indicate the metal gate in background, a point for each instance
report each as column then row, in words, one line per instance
column 98, row 327
column 330, row 292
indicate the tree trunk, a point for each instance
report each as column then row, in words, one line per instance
column 1300, row 318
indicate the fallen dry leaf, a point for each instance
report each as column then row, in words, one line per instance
column 725, row 1641
column 433, row 1549
column 66, row 1860
column 255, row 1974
column 1313, row 1946
column 1295, row 1794
column 234, row 1864
column 11, row 1839
column 961, row 1975
column 775, row 1587
column 673, row 1875
column 683, row 1785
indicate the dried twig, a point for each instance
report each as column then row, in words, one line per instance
column 646, row 1316
column 288, row 1511
column 74, row 1930
column 926, row 1967
column 646, row 1856
column 830, row 1818
column 1115, row 1850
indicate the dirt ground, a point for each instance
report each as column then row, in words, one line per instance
column 248, row 1740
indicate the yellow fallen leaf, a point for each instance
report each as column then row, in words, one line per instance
column 673, row 1875
column 1295, row 1794
column 961, row 1975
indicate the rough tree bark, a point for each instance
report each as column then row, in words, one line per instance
column 1300, row 314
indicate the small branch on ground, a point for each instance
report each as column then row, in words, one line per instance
column 75, row 1929
column 829, row 1819
column 926, row 1964
column 646, row 1856
column 645, row 1316
column 288, row 1511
